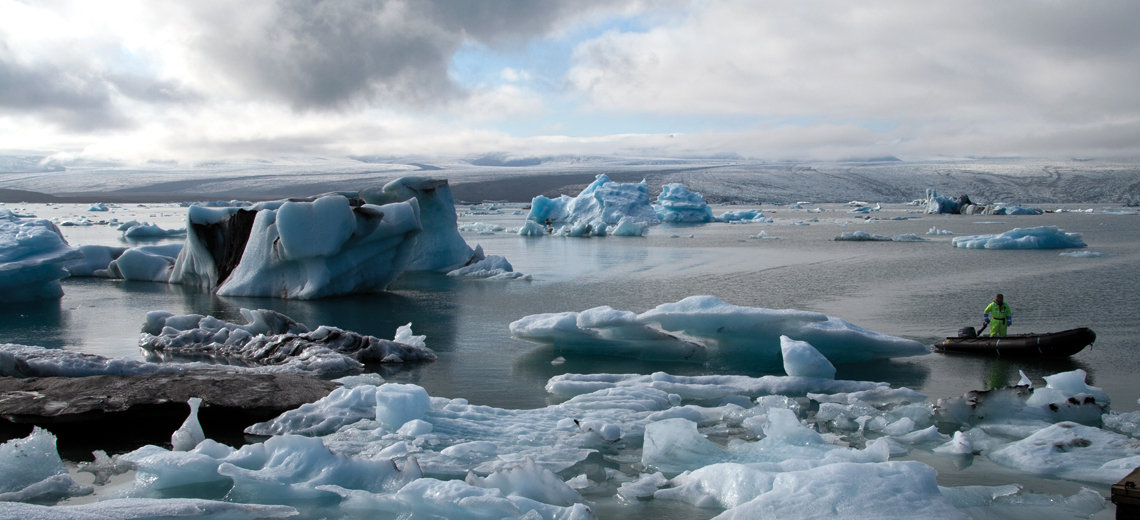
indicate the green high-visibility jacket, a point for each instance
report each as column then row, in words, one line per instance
column 998, row 312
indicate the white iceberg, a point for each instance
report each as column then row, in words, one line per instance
column 439, row 247
column 1042, row 237
column 677, row 204
column 803, row 360
column 148, row 230
column 33, row 255
column 1072, row 451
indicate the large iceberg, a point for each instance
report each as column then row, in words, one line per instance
column 677, row 204
column 603, row 200
column 439, row 246
column 298, row 249
column 1042, row 237
column 704, row 329
column 33, row 254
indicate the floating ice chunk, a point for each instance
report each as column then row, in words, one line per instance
column 1002, row 209
column 675, row 445
column 1086, row 254
column 803, row 360
column 104, row 467
column 271, row 338
column 493, row 267
column 147, row 263
column 713, row 331
column 901, row 490
column 30, row 361
column 909, row 237
column 33, row 254
column 1024, row 381
column 397, row 404
column 530, row 481
column 532, row 229
column 877, row 396
column 341, row 407
column 645, row 486
column 1043, row 237
column 31, row 470
column 604, row 200
column 148, row 230
column 629, row 228
column 704, row 387
column 862, row 236
column 148, row 508
column 98, row 206
column 1072, row 451
column 677, row 204
column 744, row 215
column 959, row 445
column 190, row 434
column 1009, row 405
column 935, row 231
column 724, row 485
column 1123, row 423
column 94, row 258
column 1066, row 385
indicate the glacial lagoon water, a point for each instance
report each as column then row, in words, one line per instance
column 917, row 290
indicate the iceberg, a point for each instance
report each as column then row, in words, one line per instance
column 1042, row 237
column 439, row 246
column 704, row 329
column 604, row 200
column 677, row 204
column 861, row 236
column 33, row 256
column 273, row 339
column 148, row 230
column 936, row 203
column 493, row 267
column 744, row 215
column 298, row 249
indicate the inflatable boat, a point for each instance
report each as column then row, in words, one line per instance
column 1053, row 344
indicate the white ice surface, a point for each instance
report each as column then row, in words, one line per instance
column 439, row 247
column 1072, row 451
column 803, row 360
column 1042, row 237
column 705, row 329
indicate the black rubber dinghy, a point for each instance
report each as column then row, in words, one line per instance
column 1053, row 344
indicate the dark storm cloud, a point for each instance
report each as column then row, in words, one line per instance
column 322, row 54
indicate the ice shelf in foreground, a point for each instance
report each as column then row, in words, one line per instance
column 603, row 200
column 704, row 329
column 394, row 450
column 32, row 258
column 1042, row 237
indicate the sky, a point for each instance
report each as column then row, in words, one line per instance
column 137, row 81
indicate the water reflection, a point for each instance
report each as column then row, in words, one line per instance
column 42, row 323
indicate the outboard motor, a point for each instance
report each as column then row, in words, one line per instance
column 967, row 332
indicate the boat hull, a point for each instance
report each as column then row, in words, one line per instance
column 1053, row 344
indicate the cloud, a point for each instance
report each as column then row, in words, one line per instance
column 991, row 68
column 336, row 55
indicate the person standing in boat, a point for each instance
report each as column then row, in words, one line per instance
column 998, row 316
